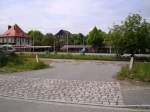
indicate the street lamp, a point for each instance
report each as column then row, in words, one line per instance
column 33, row 41
column 54, row 45
column 36, row 56
column 67, row 42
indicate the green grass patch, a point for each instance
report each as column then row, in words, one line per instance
column 140, row 72
column 76, row 57
column 82, row 57
column 23, row 65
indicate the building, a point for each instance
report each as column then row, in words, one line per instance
column 19, row 40
column 76, row 48
column 15, row 36
column 63, row 38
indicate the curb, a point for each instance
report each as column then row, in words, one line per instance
column 133, row 106
column 145, row 107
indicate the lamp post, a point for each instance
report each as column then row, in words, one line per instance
column 33, row 41
column 36, row 56
column 54, row 45
column 83, row 42
column 67, row 42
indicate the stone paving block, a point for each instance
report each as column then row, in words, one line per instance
column 67, row 91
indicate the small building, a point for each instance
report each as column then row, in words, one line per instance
column 63, row 38
column 15, row 36
column 106, row 49
column 33, row 48
column 76, row 48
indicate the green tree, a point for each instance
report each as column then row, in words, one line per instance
column 132, row 36
column 79, row 39
column 95, row 38
column 48, row 39
column 36, row 36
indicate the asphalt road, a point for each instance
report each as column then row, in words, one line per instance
column 77, row 70
column 13, row 105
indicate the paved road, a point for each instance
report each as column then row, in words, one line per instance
column 135, row 93
column 66, row 91
column 68, row 81
column 77, row 70
column 15, row 105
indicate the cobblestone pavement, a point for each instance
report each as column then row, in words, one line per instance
column 66, row 91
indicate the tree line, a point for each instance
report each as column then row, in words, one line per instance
column 131, row 36
column 94, row 38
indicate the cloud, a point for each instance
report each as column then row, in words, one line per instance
column 73, row 15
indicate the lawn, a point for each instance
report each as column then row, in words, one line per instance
column 22, row 64
column 140, row 72
column 76, row 56
column 82, row 57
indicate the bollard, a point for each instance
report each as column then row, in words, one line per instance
column 37, row 59
column 131, row 63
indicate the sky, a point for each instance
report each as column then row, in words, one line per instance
column 72, row 15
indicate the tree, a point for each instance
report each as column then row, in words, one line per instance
column 48, row 39
column 132, row 36
column 36, row 37
column 78, row 39
column 95, row 38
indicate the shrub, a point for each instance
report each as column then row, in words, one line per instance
column 11, row 62
column 3, row 58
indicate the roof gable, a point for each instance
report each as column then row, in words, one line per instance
column 14, row 31
column 63, row 33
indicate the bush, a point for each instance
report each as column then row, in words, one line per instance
column 3, row 58
column 15, row 59
column 15, row 63
column 9, row 59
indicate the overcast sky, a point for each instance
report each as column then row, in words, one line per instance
column 73, row 15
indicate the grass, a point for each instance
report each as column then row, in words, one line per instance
column 82, row 57
column 140, row 72
column 76, row 57
column 25, row 65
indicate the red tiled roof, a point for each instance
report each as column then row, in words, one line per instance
column 14, row 30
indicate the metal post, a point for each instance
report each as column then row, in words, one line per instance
column 33, row 41
column 67, row 43
column 83, row 43
column 7, row 44
column 54, row 46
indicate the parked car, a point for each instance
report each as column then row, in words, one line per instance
column 7, row 49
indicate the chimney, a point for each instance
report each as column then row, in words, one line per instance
column 9, row 27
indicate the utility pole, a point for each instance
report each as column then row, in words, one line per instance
column 54, row 46
column 67, row 42
column 36, row 55
column 83, row 42
column 33, row 40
